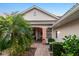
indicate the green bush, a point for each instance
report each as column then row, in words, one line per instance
column 57, row 48
column 15, row 34
column 51, row 40
column 71, row 45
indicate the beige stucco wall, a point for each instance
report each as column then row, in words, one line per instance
column 67, row 29
column 39, row 15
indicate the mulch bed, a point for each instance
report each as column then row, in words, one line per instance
column 30, row 52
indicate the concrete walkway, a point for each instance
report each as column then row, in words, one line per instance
column 41, row 50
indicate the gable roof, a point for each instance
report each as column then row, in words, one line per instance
column 38, row 8
column 70, row 15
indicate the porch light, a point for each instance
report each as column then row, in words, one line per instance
column 58, row 32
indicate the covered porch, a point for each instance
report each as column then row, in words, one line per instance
column 41, row 34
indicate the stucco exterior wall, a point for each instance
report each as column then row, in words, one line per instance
column 67, row 29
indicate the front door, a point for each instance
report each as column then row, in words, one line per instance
column 38, row 34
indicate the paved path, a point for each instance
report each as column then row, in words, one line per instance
column 41, row 50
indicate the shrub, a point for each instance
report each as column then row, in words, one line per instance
column 57, row 48
column 51, row 40
column 15, row 34
column 71, row 45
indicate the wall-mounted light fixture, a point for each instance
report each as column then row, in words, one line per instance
column 58, row 32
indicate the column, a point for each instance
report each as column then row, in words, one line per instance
column 36, row 34
column 44, row 30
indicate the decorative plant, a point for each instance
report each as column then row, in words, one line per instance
column 15, row 34
column 57, row 48
column 71, row 45
column 50, row 40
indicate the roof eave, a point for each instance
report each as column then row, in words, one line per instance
column 66, row 15
column 52, row 15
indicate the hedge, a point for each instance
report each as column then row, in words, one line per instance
column 57, row 48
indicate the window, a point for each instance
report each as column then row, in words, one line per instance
column 56, row 35
column 49, row 32
column 34, row 14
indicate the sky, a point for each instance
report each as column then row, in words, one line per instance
column 55, row 8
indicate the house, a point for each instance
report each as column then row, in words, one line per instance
column 41, row 21
column 67, row 25
column 46, row 25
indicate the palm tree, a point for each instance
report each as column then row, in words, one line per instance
column 15, row 34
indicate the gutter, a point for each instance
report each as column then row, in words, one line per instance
column 66, row 15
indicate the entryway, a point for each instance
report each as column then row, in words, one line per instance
column 40, row 34
column 37, row 32
column 41, row 49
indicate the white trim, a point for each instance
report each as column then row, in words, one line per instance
column 67, row 14
column 44, row 11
